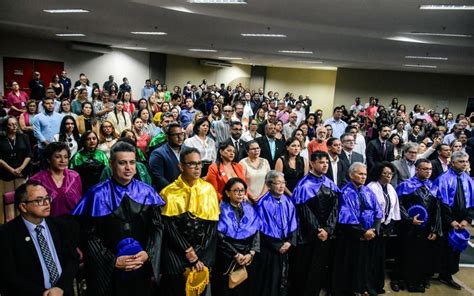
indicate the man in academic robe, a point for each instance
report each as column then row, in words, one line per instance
column 455, row 188
column 358, row 223
column 417, row 233
column 316, row 201
column 122, row 230
column 190, row 218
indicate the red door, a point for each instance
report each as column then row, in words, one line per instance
column 21, row 71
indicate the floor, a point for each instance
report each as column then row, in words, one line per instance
column 465, row 277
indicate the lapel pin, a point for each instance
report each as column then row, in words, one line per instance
column 27, row 239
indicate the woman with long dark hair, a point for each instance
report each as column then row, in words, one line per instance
column 119, row 118
column 292, row 165
column 224, row 168
column 238, row 240
column 89, row 161
column 69, row 134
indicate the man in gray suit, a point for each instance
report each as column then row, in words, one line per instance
column 348, row 155
column 406, row 165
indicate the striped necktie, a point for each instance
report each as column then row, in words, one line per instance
column 48, row 258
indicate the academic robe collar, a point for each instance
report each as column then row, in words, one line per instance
column 446, row 185
column 350, row 207
column 308, row 187
column 408, row 186
column 228, row 225
column 105, row 197
column 278, row 216
column 200, row 200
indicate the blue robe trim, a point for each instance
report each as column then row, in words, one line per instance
column 308, row 187
column 228, row 225
column 349, row 207
column 278, row 216
column 105, row 197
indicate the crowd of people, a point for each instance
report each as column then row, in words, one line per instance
column 251, row 192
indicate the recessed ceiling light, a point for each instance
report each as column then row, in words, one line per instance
column 310, row 62
column 229, row 58
column 69, row 10
column 426, row 58
column 447, row 7
column 202, row 50
column 70, row 35
column 218, row 1
column 263, row 35
column 149, row 33
column 296, row 51
column 406, row 39
column 420, row 66
column 439, row 34
column 178, row 8
column 131, row 47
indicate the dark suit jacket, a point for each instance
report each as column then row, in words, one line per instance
column 342, row 173
column 164, row 167
column 20, row 268
column 355, row 157
column 437, row 169
column 266, row 153
column 242, row 145
column 374, row 153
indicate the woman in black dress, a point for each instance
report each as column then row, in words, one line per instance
column 238, row 240
column 292, row 165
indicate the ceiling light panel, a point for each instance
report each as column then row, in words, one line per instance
column 296, row 51
column 447, row 7
column 131, row 47
column 149, row 33
column 71, row 10
column 439, row 34
column 218, row 1
column 202, row 50
column 70, row 35
column 427, row 58
column 420, row 66
column 229, row 58
column 310, row 62
column 263, row 35
column 406, row 39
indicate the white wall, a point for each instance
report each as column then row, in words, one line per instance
column 121, row 63
column 180, row 69
column 427, row 89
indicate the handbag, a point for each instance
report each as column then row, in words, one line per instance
column 237, row 275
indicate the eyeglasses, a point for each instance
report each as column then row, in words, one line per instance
column 227, row 111
column 40, row 201
column 254, row 149
column 279, row 183
column 193, row 164
column 238, row 190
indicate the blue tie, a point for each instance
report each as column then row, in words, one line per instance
column 48, row 258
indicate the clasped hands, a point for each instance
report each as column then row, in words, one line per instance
column 243, row 259
column 369, row 234
column 463, row 225
column 131, row 262
column 194, row 259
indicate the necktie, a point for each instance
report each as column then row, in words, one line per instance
column 236, row 147
column 384, row 145
column 48, row 258
column 388, row 205
column 350, row 158
column 460, row 198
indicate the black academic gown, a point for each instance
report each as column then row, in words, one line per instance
column 227, row 248
column 181, row 232
column 418, row 253
column 100, row 236
column 311, row 260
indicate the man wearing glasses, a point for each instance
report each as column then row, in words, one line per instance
column 164, row 161
column 221, row 129
column 190, row 219
column 455, row 189
column 405, row 166
column 37, row 251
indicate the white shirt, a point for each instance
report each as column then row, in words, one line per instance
column 207, row 148
column 334, row 168
column 359, row 145
column 394, row 212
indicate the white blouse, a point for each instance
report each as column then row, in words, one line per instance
column 206, row 147
column 394, row 213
